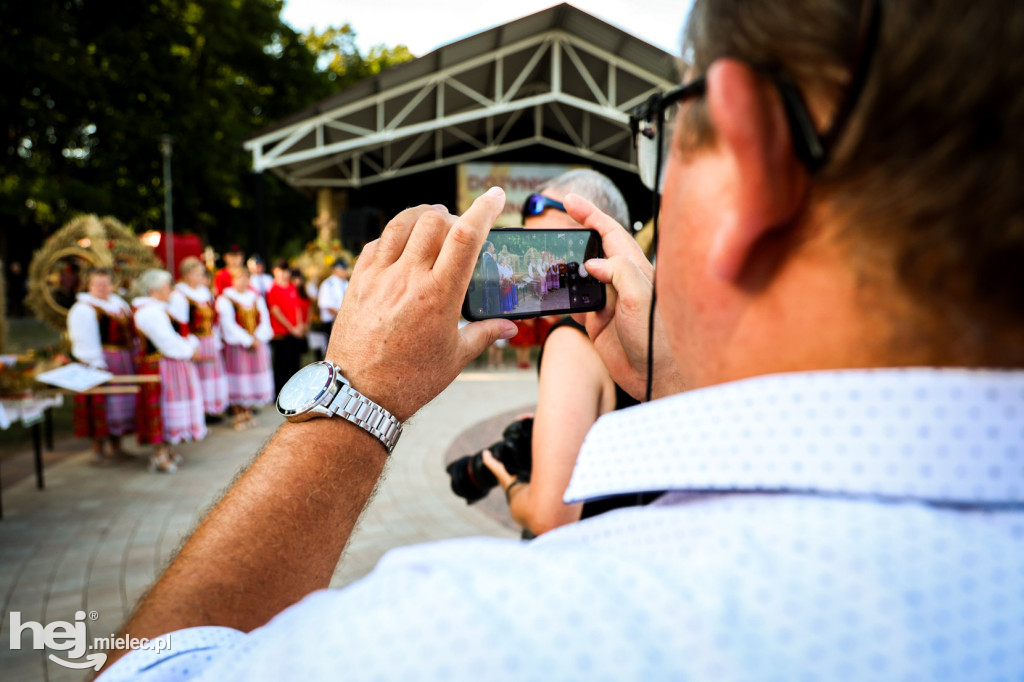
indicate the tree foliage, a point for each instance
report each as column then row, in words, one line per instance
column 91, row 86
column 339, row 55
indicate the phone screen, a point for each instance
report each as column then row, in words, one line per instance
column 529, row 273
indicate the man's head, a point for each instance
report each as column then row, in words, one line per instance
column 282, row 272
column 155, row 283
column 99, row 282
column 192, row 270
column 903, row 248
column 240, row 280
column 234, row 257
column 589, row 184
column 340, row 268
column 255, row 265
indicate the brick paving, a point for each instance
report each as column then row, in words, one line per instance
column 97, row 537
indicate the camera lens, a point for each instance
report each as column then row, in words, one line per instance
column 470, row 478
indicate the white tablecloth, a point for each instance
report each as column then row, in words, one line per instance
column 26, row 410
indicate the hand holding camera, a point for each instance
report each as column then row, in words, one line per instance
column 472, row 479
column 397, row 337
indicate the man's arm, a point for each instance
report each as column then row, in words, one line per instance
column 278, row 533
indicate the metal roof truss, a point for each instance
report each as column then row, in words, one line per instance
column 553, row 90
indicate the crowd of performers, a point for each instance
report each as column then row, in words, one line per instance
column 211, row 353
column 541, row 276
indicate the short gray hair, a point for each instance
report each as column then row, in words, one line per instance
column 151, row 280
column 594, row 187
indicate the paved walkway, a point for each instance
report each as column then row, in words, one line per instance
column 96, row 538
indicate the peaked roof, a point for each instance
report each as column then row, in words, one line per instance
column 561, row 79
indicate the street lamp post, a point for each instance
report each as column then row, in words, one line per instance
column 166, row 147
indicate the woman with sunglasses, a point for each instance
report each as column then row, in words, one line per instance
column 575, row 387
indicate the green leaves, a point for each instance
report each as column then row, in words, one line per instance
column 90, row 88
column 338, row 55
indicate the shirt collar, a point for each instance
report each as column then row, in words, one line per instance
column 112, row 305
column 147, row 301
column 246, row 298
column 199, row 294
column 947, row 436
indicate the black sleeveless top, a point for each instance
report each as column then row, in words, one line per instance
column 622, row 401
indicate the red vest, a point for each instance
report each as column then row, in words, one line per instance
column 116, row 333
column 200, row 318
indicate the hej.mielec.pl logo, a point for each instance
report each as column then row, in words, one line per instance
column 61, row 635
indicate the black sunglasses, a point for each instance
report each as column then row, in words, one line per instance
column 536, row 204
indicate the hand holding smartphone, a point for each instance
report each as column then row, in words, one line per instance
column 531, row 273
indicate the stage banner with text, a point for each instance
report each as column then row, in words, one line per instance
column 517, row 179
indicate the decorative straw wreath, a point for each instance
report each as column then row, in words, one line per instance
column 58, row 269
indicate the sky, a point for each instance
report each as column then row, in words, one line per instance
column 424, row 25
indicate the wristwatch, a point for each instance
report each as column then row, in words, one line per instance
column 320, row 390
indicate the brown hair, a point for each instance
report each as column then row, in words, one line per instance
column 103, row 272
column 188, row 264
column 927, row 178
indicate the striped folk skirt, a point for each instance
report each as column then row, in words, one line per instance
column 171, row 411
column 250, row 376
column 99, row 416
column 213, row 381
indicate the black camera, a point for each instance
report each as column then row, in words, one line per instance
column 472, row 480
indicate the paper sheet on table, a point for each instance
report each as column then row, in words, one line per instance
column 75, row 377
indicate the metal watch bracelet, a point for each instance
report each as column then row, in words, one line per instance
column 366, row 414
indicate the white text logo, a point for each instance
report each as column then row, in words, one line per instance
column 61, row 635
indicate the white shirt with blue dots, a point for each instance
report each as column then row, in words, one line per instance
column 850, row 525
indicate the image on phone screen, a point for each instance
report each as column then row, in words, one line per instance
column 529, row 273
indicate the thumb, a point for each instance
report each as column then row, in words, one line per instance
column 600, row 269
column 476, row 336
column 622, row 273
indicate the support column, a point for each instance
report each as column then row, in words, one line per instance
column 330, row 206
column 326, row 216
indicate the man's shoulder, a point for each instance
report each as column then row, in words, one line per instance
column 671, row 591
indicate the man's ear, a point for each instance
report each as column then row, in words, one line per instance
column 769, row 182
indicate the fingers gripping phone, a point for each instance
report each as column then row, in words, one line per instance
column 530, row 273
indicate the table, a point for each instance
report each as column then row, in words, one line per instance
column 31, row 411
column 34, row 410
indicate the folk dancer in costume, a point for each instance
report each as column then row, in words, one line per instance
column 192, row 306
column 538, row 279
column 172, row 411
column 509, row 300
column 545, row 264
column 245, row 327
column 102, row 336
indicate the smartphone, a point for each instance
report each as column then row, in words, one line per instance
column 530, row 273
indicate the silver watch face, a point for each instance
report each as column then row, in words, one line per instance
column 305, row 389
